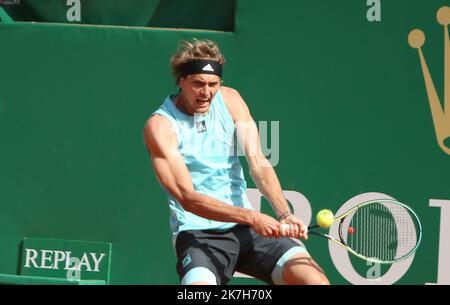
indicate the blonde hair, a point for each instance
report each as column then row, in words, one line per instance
column 192, row 50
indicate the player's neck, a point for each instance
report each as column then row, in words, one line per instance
column 180, row 103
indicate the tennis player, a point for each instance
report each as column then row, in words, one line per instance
column 190, row 139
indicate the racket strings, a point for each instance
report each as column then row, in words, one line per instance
column 382, row 230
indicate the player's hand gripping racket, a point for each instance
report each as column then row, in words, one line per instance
column 381, row 231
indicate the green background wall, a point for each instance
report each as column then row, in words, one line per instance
column 348, row 94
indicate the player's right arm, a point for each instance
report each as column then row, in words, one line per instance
column 172, row 173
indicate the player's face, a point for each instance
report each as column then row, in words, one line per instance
column 198, row 90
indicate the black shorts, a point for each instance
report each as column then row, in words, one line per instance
column 236, row 249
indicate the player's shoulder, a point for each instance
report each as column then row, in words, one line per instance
column 232, row 97
column 235, row 103
column 229, row 92
column 156, row 121
column 157, row 126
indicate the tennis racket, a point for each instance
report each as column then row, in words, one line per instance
column 380, row 231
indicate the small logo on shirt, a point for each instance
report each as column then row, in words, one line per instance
column 187, row 260
column 201, row 126
column 208, row 67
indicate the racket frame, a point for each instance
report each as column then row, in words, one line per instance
column 342, row 243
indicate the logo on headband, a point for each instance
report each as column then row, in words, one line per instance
column 199, row 66
column 208, row 68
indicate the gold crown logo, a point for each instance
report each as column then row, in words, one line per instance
column 440, row 114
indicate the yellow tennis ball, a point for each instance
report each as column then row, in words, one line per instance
column 325, row 218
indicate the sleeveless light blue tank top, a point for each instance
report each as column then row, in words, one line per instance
column 206, row 143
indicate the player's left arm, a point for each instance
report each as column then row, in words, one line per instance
column 260, row 168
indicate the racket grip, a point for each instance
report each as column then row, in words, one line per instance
column 285, row 227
